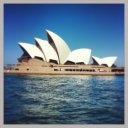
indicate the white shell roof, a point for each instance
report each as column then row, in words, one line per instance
column 47, row 49
column 80, row 55
column 62, row 48
column 32, row 50
column 109, row 61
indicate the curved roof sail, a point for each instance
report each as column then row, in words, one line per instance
column 79, row 55
column 109, row 61
column 59, row 45
column 32, row 50
column 47, row 50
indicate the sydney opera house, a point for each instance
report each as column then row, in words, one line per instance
column 55, row 57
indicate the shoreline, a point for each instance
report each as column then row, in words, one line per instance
column 64, row 73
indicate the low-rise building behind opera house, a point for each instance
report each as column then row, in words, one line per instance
column 55, row 57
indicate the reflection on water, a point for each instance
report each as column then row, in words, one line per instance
column 63, row 99
column 106, row 78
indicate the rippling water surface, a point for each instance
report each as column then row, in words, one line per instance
column 63, row 99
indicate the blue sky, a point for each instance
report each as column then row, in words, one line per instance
column 99, row 27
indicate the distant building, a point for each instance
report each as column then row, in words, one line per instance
column 54, row 56
column 57, row 51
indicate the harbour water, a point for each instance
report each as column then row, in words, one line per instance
column 40, row 99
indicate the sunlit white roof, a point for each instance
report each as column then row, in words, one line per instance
column 47, row 49
column 109, row 61
column 79, row 55
column 59, row 45
column 32, row 50
column 56, row 49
